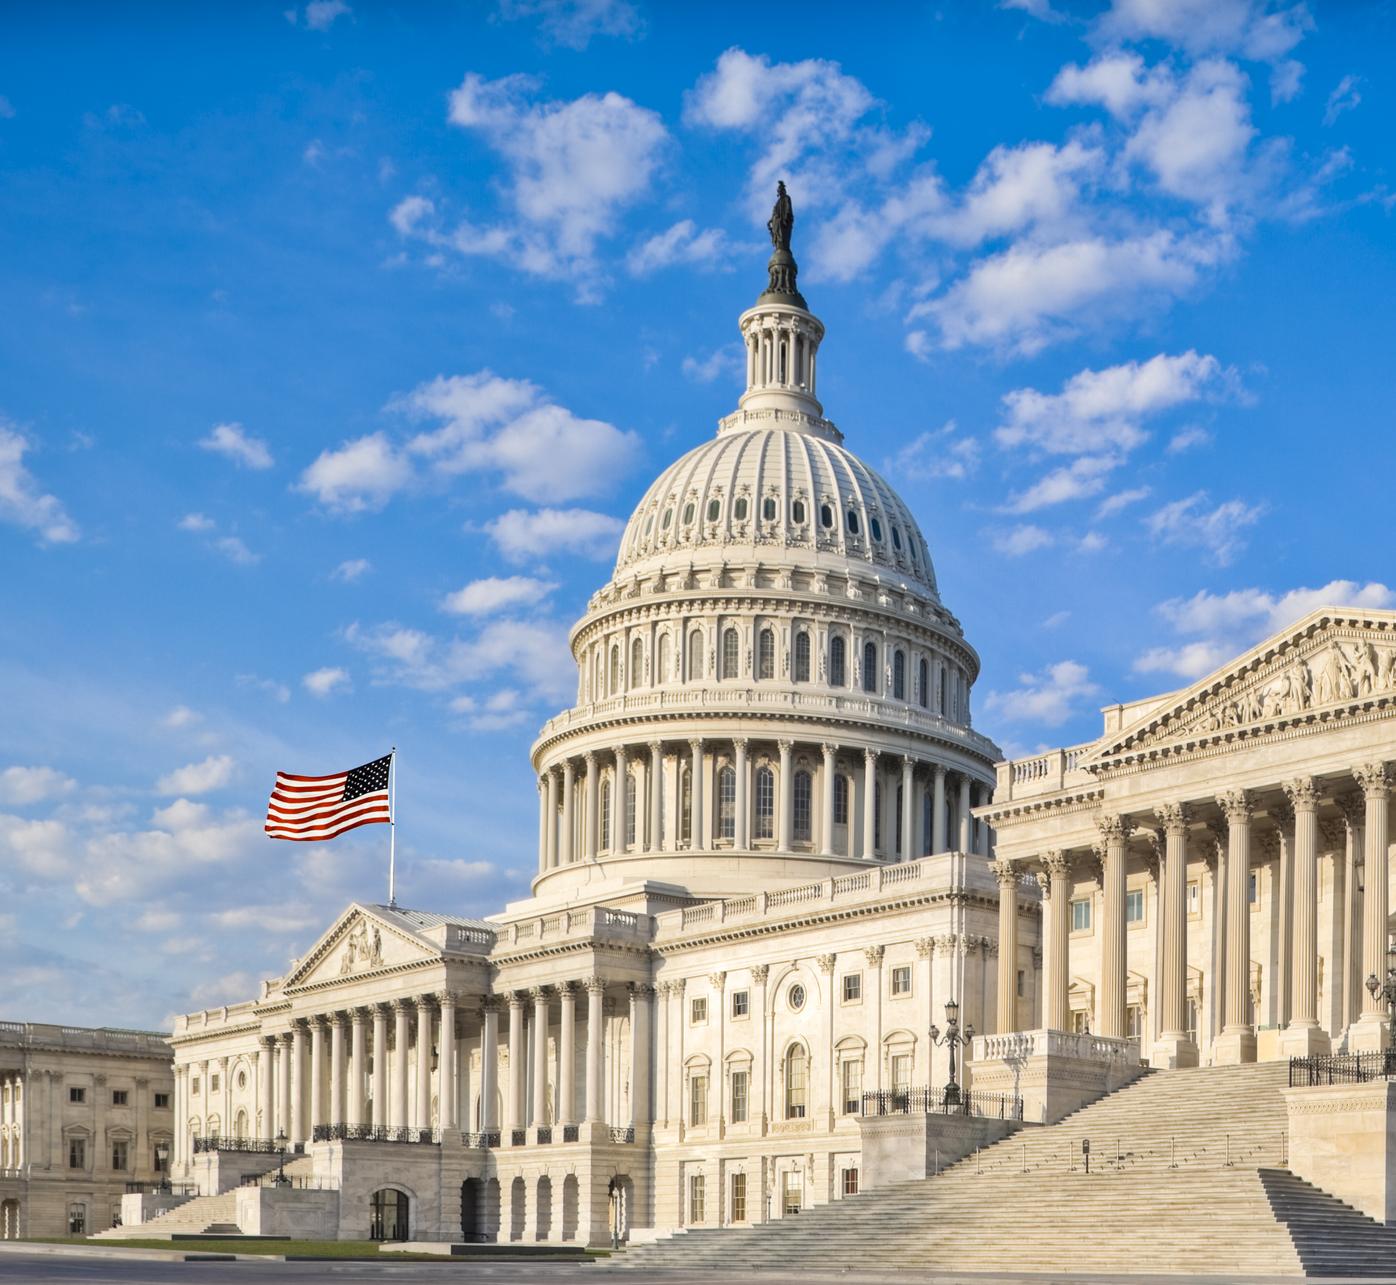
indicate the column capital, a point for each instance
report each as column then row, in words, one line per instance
column 1353, row 807
column 589, row 758
column 1113, row 826
column 286, row 1039
column 567, row 988
column 826, row 963
column 517, row 999
column 940, row 771
column 267, row 1042
column 1238, row 806
column 1374, row 780
column 874, row 954
column 400, row 1005
column 869, row 756
column 1174, row 817
column 759, row 973
column 925, row 947
column 717, row 980
column 447, row 999
column 655, row 746
column 785, row 747
column 595, row 985
column 828, row 750
column 423, row 1002
column 1006, row 872
column 695, row 744
column 740, row 743
column 539, row 994
column 641, row 991
column 490, row 1003
column 1056, row 863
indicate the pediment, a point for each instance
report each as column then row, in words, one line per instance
column 358, row 943
column 1327, row 666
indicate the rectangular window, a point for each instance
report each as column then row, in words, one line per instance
column 77, row 1153
column 901, row 1073
column 1253, row 889
column 739, row 1097
column 726, row 803
column 1081, row 916
column 1194, row 900
column 840, row 795
column 697, row 1211
column 852, row 987
column 852, row 1076
column 213, row 1084
column 1134, row 906
column 119, row 1097
column 1192, row 1020
column 1134, row 1023
column 194, row 1086
column 698, row 1100
column 1080, row 1020
column 77, row 1220
column 741, row 1003
column 792, row 1191
column 77, row 1095
column 1022, row 980
column 118, row 1156
column 901, row 980
column 850, row 1182
column 162, row 1101
column 739, row 1197
column 698, row 1010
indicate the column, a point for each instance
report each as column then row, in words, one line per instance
column 180, row 1129
column 446, row 1093
column 596, row 1050
column 380, row 1066
column 422, row 1116
column 317, row 1073
column 908, row 848
column 699, row 814
column 1110, row 1018
column 641, row 1004
column 398, row 1117
column 285, row 1055
column 873, row 954
column 1006, row 1014
column 569, row 806
column 539, row 995
column 1304, row 1036
column 1057, row 914
column 869, row 852
column 518, row 1061
column 654, row 780
column 938, row 839
column 542, row 824
column 1370, row 1031
column 965, row 819
column 620, row 833
column 489, row 1065
column 742, row 804
column 550, row 832
column 983, row 840
column 785, row 798
column 354, row 1085
column 826, row 803
column 300, row 1130
column 1174, row 1047
column 567, row 1059
column 336, row 1068
column 266, row 1054
column 591, row 812
column 1353, row 812
column 1236, row 1043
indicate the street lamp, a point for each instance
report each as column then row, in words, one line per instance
column 952, row 1038
column 162, row 1165
column 281, row 1180
column 1386, row 989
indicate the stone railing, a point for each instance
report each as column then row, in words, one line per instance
column 462, row 938
column 1027, row 778
column 579, row 925
column 98, row 1040
column 1018, row 1046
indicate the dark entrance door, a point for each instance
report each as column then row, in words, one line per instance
column 388, row 1215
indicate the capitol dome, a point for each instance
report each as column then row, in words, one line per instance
column 769, row 688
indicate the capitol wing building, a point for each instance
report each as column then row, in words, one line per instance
column 789, row 904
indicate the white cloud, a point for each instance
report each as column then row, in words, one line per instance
column 941, row 452
column 1191, row 660
column 1256, row 613
column 1187, row 438
column 682, row 243
column 1117, row 81
column 232, row 548
column 325, row 682
column 350, row 570
column 703, row 370
column 1049, row 697
column 1344, row 98
column 1189, row 523
column 24, row 785
column 1121, row 500
column 44, row 848
column 21, row 501
column 500, row 710
column 1252, row 28
column 1098, row 409
column 360, row 475
column 1040, row 9
column 1082, row 477
column 318, row 15
column 573, row 23
column 197, row 522
column 1021, row 540
column 213, row 773
column 496, row 593
column 279, row 692
column 180, row 716
column 521, row 534
column 235, row 442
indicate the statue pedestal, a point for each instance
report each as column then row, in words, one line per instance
column 1054, row 1072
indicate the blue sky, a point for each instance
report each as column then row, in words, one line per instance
column 339, row 340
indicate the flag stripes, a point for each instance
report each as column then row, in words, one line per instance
column 312, row 808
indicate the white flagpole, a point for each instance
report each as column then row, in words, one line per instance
column 392, row 826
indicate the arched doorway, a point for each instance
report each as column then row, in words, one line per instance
column 570, row 1193
column 543, row 1216
column 489, row 1224
column 518, row 1194
column 9, row 1220
column 470, row 1211
column 388, row 1214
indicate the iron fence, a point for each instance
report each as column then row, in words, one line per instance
column 623, row 1135
column 937, row 1101
column 158, row 1188
column 483, row 1140
column 1341, row 1068
column 217, row 1142
column 368, row 1133
column 571, row 1133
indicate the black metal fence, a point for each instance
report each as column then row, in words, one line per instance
column 218, row 1142
column 941, row 1101
column 367, row 1133
column 1341, row 1068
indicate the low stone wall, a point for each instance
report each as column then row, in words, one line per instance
column 214, row 1172
column 1054, row 1072
column 289, row 1211
column 897, row 1148
column 138, row 1208
column 1342, row 1138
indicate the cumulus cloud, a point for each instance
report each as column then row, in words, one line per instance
column 1049, row 698
column 1118, row 81
column 41, row 847
column 196, row 522
column 236, row 551
column 24, row 785
column 237, row 444
column 942, row 452
column 499, row 710
column 1083, row 477
column 1192, row 523
column 325, row 682
column 22, row 502
column 497, row 593
column 703, row 370
column 574, row 23
column 350, row 570
column 318, row 15
column 1020, row 540
column 1252, row 28
column 213, row 773
column 179, row 717
column 358, row 476
column 521, row 534
column 683, row 243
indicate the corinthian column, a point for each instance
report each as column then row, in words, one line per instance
column 1304, row 1036
column 743, row 827
column 654, row 779
column 826, row 803
column 1006, row 1015
column 938, row 841
column 1375, row 779
column 1114, row 830
column 591, row 813
column 785, row 798
column 402, row 1015
column 641, row 1025
column 489, row 1065
column 1236, row 1043
column 299, row 1127
column 380, row 1066
column 1174, row 1047
column 446, row 1090
column 698, row 814
column 567, row 1059
column 869, row 805
column 539, row 996
column 550, row 823
column 569, row 811
column 908, row 849
column 518, row 1061
column 965, row 818
column 596, row 1049
column 354, row 1081
column 1058, row 914
column 422, row 1116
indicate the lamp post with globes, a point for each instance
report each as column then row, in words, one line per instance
column 952, row 1038
column 1386, row 989
column 281, row 1180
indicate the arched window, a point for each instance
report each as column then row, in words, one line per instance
column 852, row 522
column 729, row 653
column 726, row 803
column 899, row 818
column 695, row 655
column 766, row 654
column 714, row 510
column 897, row 539
column 877, row 816
column 739, row 509
column 688, row 513
column 941, row 706
column 840, row 799
column 387, row 1216
column 826, row 516
column 923, row 683
column 796, row 1082
column 899, row 675
column 606, row 814
column 838, row 664
column 615, row 671
column 802, row 791
column 870, row 667
column 926, row 828
column 637, row 663
column 629, row 809
column 666, row 659
column 797, row 512
column 765, row 803
column 768, row 508
column 876, row 527
column 686, row 807
column 802, row 657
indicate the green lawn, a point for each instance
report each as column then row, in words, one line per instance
column 305, row 1249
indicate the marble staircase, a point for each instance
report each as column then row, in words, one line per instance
column 201, row 1215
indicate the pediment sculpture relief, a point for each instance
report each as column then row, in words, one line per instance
column 362, row 948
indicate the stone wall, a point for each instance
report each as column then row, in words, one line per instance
column 1342, row 1138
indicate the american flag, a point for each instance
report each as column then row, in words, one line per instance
column 309, row 808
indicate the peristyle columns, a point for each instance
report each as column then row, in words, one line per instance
column 596, row 991
column 826, row 804
column 1304, row 1037
column 446, row 1076
column 422, row 1116
column 743, row 818
column 1236, row 1043
column 402, row 1016
column 1058, row 916
column 869, row 805
column 567, row 1069
column 908, row 847
column 380, row 1066
column 1006, row 1015
column 489, row 1065
column 1110, row 1019
column 539, row 996
column 938, row 811
column 1174, row 1048
column 1375, row 779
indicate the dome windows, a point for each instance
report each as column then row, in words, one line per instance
column 838, row 662
column 852, row 522
column 897, row 539
column 870, row 667
column 695, row 655
column 876, row 530
column 899, row 675
column 739, row 509
column 668, row 518
column 714, row 510
column 826, row 516
column 801, row 669
column 688, row 513
column 768, row 508
column 797, row 513
column 649, row 524
column 730, row 653
column 766, row 654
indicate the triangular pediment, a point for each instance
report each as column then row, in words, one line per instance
column 358, row 943
column 1332, row 662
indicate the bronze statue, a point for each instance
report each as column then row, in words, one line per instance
column 782, row 269
column 782, row 219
